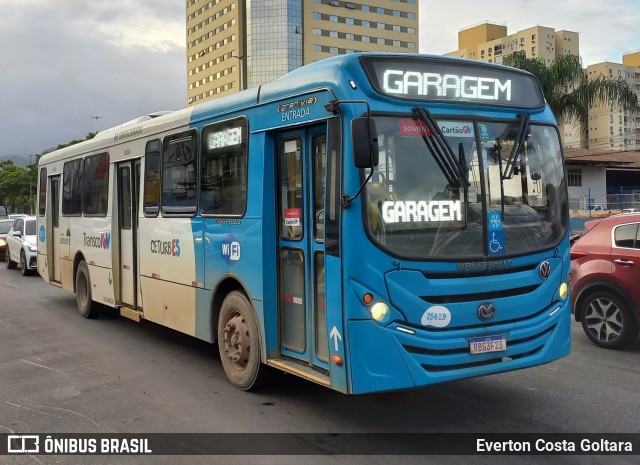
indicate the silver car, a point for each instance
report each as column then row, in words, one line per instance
column 22, row 245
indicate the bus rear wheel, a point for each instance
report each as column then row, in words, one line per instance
column 239, row 343
column 87, row 307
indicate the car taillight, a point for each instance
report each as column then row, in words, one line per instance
column 574, row 254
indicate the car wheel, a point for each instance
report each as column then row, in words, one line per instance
column 10, row 263
column 24, row 269
column 88, row 308
column 239, row 343
column 608, row 321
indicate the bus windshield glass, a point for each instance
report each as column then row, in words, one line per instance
column 512, row 203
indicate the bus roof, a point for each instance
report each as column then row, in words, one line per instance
column 332, row 73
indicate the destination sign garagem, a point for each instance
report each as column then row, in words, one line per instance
column 437, row 79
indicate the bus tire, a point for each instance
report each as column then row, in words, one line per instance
column 87, row 307
column 239, row 343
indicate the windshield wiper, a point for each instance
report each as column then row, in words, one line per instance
column 443, row 153
column 523, row 128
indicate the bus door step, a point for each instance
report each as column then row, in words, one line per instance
column 302, row 370
column 130, row 313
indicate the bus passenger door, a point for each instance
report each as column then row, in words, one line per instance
column 54, row 237
column 301, row 159
column 127, row 192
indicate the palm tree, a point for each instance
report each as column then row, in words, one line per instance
column 568, row 90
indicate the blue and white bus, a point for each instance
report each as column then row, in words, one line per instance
column 369, row 222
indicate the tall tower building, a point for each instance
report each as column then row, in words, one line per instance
column 237, row 44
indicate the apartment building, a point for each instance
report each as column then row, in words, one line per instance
column 610, row 127
column 237, row 44
column 490, row 42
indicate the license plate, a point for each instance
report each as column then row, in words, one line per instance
column 486, row 344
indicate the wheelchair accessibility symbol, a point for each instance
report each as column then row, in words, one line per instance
column 496, row 242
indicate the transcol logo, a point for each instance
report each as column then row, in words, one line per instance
column 102, row 241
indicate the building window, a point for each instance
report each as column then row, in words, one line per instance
column 574, row 178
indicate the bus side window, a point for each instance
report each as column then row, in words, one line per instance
column 223, row 183
column 152, row 178
column 42, row 198
column 179, row 167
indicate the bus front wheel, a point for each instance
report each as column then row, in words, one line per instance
column 88, row 308
column 239, row 342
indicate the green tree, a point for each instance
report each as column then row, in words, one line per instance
column 19, row 186
column 568, row 90
column 14, row 186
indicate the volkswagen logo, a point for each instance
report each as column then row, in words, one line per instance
column 486, row 311
column 545, row 270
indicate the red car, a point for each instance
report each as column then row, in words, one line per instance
column 605, row 269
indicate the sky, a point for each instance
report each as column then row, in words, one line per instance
column 63, row 62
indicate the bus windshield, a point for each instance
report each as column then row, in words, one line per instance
column 509, row 207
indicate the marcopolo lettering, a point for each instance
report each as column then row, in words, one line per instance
column 447, row 85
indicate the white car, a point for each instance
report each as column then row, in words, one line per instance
column 22, row 245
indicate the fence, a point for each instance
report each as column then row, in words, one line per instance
column 625, row 199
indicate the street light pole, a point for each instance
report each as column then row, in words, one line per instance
column 95, row 127
column 30, row 190
column 241, row 58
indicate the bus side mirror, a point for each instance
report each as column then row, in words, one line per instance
column 365, row 144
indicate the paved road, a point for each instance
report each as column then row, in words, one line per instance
column 61, row 373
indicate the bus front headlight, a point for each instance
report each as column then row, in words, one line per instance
column 380, row 312
column 563, row 290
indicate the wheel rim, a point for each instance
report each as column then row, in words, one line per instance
column 237, row 341
column 604, row 320
column 23, row 264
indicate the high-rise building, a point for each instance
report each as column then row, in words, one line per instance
column 489, row 42
column 610, row 127
column 237, row 44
